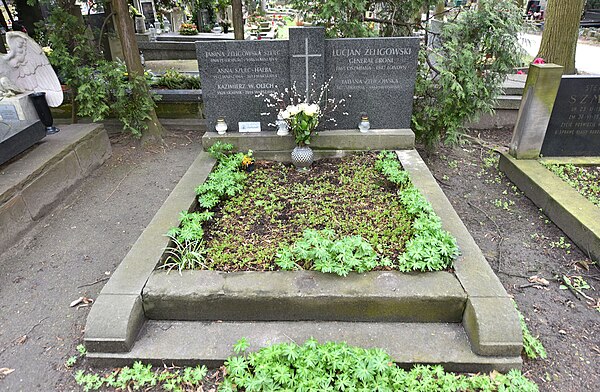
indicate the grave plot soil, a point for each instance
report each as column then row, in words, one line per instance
column 584, row 179
column 91, row 231
column 519, row 242
column 345, row 195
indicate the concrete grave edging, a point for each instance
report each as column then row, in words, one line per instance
column 122, row 293
column 332, row 140
column 489, row 319
column 575, row 215
column 33, row 184
column 384, row 296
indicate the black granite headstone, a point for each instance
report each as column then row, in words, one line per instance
column 379, row 76
column 574, row 127
column 375, row 76
column 18, row 136
column 234, row 72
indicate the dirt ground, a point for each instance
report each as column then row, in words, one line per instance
column 72, row 252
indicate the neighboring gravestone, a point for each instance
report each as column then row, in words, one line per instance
column 18, row 136
column 574, row 128
column 538, row 99
column 376, row 76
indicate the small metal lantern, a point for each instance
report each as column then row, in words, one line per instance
column 364, row 125
column 221, row 126
column 282, row 126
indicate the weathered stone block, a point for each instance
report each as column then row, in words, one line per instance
column 51, row 185
column 540, row 92
column 304, row 295
column 93, row 151
column 14, row 219
column 492, row 325
column 113, row 323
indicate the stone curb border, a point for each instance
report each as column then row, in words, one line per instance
column 31, row 187
column 575, row 215
column 121, row 296
column 336, row 140
column 490, row 319
column 384, row 296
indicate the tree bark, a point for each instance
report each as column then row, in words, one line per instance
column 28, row 15
column 561, row 30
column 238, row 19
column 440, row 7
column 131, row 53
column 5, row 26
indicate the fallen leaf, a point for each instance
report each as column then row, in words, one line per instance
column 538, row 280
column 85, row 301
column 6, row 371
column 21, row 340
column 585, row 264
column 76, row 302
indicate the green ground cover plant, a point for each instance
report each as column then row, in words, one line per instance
column 309, row 367
column 357, row 213
column 532, row 346
column 340, row 367
column 175, row 80
column 143, row 377
column 584, row 179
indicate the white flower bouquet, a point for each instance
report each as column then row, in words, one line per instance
column 302, row 120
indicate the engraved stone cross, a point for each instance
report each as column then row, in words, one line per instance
column 306, row 56
column 307, row 63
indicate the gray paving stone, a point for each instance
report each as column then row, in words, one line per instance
column 212, row 343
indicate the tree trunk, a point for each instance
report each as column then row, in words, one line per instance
column 131, row 53
column 440, row 7
column 561, row 30
column 28, row 14
column 238, row 19
column 4, row 25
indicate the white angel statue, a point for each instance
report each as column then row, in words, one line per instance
column 26, row 69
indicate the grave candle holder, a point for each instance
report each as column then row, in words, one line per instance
column 221, row 126
column 364, row 125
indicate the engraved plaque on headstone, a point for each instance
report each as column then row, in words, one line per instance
column 379, row 76
column 574, row 127
column 8, row 113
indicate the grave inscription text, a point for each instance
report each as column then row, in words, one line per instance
column 574, row 127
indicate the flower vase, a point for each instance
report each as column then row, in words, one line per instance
column 302, row 157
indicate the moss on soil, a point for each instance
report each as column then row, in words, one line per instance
column 584, row 179
column 346, row 195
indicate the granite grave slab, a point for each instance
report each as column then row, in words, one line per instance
column 574, row 127
column 18, row 136
column 375, row 76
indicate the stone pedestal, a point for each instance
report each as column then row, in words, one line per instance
column 18, row 136
column 17, row 108
column 539, row 95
